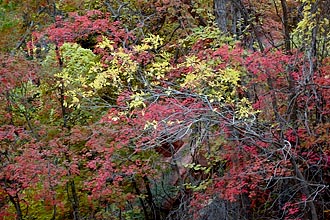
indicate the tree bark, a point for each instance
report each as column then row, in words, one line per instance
column 221, row 14
column 305, row 189
column 285, row 21
column 15, row 201
column 247, row 18
column 74, row 199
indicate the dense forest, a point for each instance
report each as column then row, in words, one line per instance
column 164, row 109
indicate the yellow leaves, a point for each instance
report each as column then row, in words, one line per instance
column 231, row 76
column 218, row 85
column 313, row 17
column 324, row 26
column 154, row 41
column 83, row 75
column 106, row 43
column 205, row 183
column 158, row 69
column 191, row 61
column 190, row 81
column 308, row 1
column 155, row 70
column 151, row 125
column 141, row 48
column 148, row 43
column 75, row 100
column 161, row 65
column 137, row 100
column 122, row 69
column 200, row 187
column 245, row 109
column 196, row 167
column 199, row 77
column 100, row 80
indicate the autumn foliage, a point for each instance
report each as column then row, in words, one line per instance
column 165, row 110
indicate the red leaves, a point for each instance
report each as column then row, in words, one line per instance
column 14, row 71
column 20, row 165
column 112, row 158
column 270, row 65
column 79, row 28
column 291, row 210
column 230, row 56
column 7, row 133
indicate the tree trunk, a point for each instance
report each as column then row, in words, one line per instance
column 15, row 201
column 75, row 200
column 285, row 21
column 221, row 14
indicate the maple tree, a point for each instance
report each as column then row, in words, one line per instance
column 164, row 110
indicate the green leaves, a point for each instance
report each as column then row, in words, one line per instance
column 211, row 33
column 76, row 76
